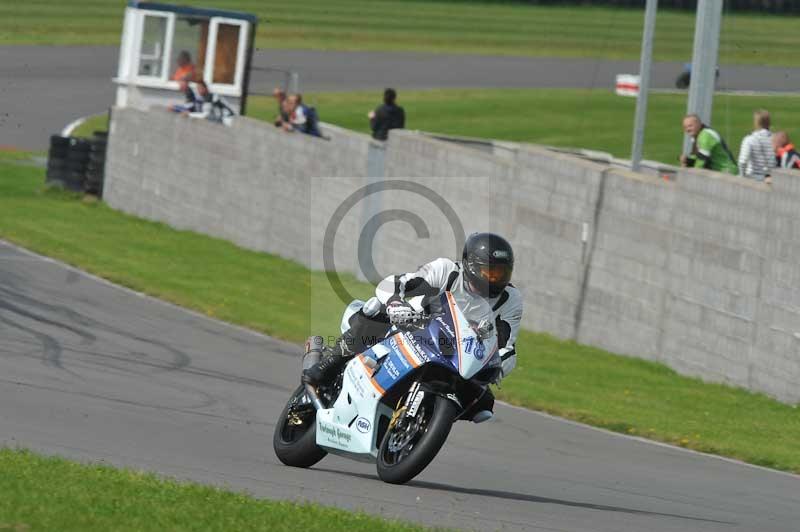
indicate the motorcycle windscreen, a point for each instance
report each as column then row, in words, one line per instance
column 464, row 315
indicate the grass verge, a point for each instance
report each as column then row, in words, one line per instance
column 591, row 119
column 100, row 498
column 495, row 28
column 213, row 276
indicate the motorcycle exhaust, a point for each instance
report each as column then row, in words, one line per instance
column 313, row 355
column 312, row 394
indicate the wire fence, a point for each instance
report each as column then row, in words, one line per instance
column 263, row 80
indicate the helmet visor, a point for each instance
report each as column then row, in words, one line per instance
column 495, row 274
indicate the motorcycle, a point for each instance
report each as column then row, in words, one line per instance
column 396, row 402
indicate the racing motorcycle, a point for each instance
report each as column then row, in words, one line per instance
column 396, row 402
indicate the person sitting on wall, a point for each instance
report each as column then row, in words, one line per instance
column 785, row 154
column 212, row 106
column 283, row 107
column 387, row 116
column 193, row 102
column 709, row 150
column 186, row 69
column 302, row 118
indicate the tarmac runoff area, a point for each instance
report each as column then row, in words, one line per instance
column 95, row 372
column 44, row 88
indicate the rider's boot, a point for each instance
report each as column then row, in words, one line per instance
column 326, row 369
column 482, row 409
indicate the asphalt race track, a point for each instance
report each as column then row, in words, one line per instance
column 98, row 373
column 44, row 88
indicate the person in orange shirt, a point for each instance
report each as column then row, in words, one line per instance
column 787, row 156
column 185, row 70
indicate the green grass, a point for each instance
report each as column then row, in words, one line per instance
column 227, row 282
column 569, row 118
column 593, row 119
column 430, row 26
column 39, row 493
column 98, row 122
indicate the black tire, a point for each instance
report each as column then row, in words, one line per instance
column 56, row 177
column 58, row 153
column 78, row 157
column 424, row 449
column 79, row 145
column 295, row 447
column 95, row 166
column 57, row 141
column 56, row 164
column 75, row 181
column 98, row 146
column 75, row 166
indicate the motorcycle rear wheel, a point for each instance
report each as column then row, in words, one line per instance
column 405, row 451
column 295, row 444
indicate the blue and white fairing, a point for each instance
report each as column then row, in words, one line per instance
column 450, row 340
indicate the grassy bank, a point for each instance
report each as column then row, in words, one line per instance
column 430, row 26
column 221, row 280
column 593, row 119
column 39, row 493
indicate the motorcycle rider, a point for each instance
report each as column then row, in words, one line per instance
column 484, row 272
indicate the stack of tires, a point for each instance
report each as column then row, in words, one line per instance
column 77, row 164
column 66, row 162
column 95, row 169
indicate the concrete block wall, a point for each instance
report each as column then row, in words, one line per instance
column 248, row 183
column 700, row 272
column 716, row 259
column 775, row 351
column 554, row 198
column 626, row 283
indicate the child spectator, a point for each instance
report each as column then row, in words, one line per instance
column 387, row 116
column 212, row 107
column 785, row 154
column 756, row 156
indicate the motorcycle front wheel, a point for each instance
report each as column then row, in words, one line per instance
column 295, row 438
column 412, row 443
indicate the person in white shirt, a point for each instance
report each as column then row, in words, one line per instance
column 757, row 156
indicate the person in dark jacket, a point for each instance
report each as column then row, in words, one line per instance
column 387, row 116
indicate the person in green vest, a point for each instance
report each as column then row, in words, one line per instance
column 709, row 150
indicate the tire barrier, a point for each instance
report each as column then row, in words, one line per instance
column 77, row 164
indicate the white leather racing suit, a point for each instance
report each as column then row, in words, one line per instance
column 443, row 274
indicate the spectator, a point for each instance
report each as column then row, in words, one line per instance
column 756, row 156
column 708, row 149
column 193, row 103
column 185, row 70
column 283, row 107
column 212, row 106
column 387, row 116
column 785, row 154
column 301, row 117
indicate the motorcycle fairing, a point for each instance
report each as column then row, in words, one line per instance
column 351, row 424
column 449, row 340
